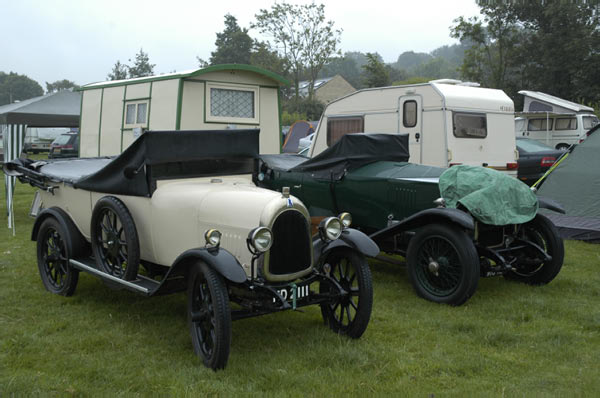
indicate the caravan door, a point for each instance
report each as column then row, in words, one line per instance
column 410, row 121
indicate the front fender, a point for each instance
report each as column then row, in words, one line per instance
column 351, row 238
column 424, row 217
column 218, row 259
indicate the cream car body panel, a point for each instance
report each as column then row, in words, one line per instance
column 190, row 207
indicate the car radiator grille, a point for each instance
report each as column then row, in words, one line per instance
column 291, row 249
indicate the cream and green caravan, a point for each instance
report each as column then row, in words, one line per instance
column 232, row 96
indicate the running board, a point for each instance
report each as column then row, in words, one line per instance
column 141, row 284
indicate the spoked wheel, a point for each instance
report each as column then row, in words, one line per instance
column 114, row 239
column 53, row 259
column 530, row 265
column 350, row 313
column 209, row 316
column 443, row 264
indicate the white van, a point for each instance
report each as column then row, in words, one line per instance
column 559, row 131
column 449, row 122
column 554, row 121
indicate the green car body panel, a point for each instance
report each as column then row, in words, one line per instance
column 373, row 194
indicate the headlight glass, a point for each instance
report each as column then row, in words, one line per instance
column 330, row 228
column 261, row 239
column 212, row 237
column 346, row 219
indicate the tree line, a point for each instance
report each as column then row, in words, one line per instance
column 551, row 46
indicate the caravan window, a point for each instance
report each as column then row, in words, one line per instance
column 566, row 123
column 409, row 113
column 136, row 114
column 340, row 126
column 231, row 104
column 539, row 124
column 469, row 125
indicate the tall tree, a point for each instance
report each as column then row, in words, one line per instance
column 59, row 85
column 375, row 72
column 141, row 65
column 233, row 45
column 15, row 87
column 302, row 35
column 494, row 50
column 263, row 57
column 119, row 72
column 552, row 46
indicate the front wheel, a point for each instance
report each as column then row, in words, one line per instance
column 530, row 267
column 209, row 316
column 350, row 313
column 53, row 251
column 443, row 265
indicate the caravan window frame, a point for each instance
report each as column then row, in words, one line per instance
column 404, row 113
column 469, row 114
column 334, row 136
column 136, row 113
column 210, row 117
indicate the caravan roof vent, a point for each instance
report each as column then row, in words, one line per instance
column 469, row 84
column 446, row 81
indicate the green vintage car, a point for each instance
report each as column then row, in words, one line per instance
column 452, row 226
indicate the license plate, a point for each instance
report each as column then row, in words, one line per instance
column 56, row 150
column 302, row 291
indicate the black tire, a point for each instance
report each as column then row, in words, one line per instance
column 543, row 233
column 563, row 147
column 348, row 315
column 53, row 253
column 209, row 316
column 443, row 264
column 114, row 239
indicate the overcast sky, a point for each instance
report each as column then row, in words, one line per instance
column 81, row 40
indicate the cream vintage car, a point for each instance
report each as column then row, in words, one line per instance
column 183, row 206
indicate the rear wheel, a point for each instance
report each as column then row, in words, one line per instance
column 209, row 316
column 349, row 314
column 562, row 147
column 443, row 264
column 530, row 265
column 53, row 259
column 114, row 239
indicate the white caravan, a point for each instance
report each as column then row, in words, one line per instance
column 554, row 121
column 449, row 122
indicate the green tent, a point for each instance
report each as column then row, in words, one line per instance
column 575, row 183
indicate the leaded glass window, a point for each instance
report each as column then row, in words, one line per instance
column 232, row 103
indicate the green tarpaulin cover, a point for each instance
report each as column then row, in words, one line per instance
column 492, row 197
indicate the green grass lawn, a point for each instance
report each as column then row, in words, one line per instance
column 507, row 340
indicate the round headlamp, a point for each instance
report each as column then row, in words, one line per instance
column 212, row 237
column 260, row 239
column 346, row 219
column 330, row 228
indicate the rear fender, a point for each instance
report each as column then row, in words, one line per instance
column 429, row 216
column 350, row 238
column 77, row 244
column 218, row 259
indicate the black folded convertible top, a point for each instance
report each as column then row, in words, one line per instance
column 153, row 156
column 350, row 152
